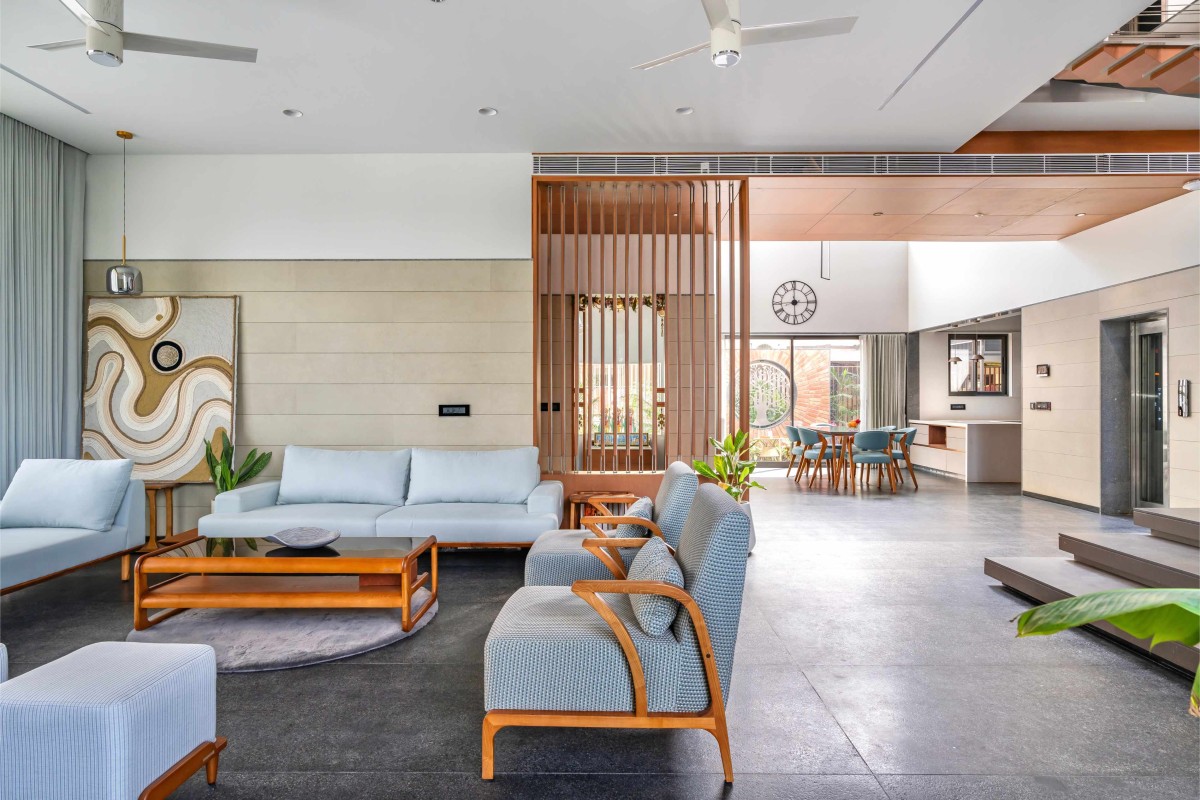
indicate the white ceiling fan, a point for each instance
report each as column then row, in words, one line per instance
column 106, row 39
column 728, row 37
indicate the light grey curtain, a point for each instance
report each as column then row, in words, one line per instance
column 41, row 296
column 884, row 372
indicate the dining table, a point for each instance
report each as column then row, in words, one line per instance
column 843, row 436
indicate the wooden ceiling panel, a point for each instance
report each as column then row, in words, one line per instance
column 1052, row 226
column 958, row 225
column 1004, row 202
column 797, row 201
column 868, row 182
column 896, row 201
column 854, row 226
column 1108, row 201
column 782, row 227
column 1085, row 181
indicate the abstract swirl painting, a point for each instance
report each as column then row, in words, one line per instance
column 159, row 380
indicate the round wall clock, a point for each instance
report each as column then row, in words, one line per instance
column 795, row 302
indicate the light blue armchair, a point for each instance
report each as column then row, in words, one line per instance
column 580, row 656
column 559, row 558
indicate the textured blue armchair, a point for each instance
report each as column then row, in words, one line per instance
column 578, row 657
column 559, row 558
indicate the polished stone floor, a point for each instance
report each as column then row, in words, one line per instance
column 875, row 661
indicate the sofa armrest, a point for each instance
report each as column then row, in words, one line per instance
column 247, row 498
column 547, row 498
column 131, row 515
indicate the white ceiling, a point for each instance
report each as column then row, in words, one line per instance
column 393, row 76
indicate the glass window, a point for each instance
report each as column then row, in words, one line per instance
column 800, row 381
column 978, row 364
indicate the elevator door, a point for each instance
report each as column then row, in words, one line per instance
column 1149, row 445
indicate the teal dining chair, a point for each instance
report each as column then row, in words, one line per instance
column 872, row 449
column 816, row 450
column 902, row 439
column 793, row 435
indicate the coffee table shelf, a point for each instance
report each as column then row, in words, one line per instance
column 360, row 579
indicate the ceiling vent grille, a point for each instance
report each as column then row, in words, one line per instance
column 899, row 164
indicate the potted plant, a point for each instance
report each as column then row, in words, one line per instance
column 1160, row 615
column 733, row 465
column 225, row 477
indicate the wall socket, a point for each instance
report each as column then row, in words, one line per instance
column 557, row 407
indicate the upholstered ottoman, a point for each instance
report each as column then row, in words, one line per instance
column 111, row 721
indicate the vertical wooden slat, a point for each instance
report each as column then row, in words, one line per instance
column 589, row 388
column 706, row 344
column 627, row 405
column 717, row 302
column 563, row 405
column 744, row 257
column 577, row 378
column 602, row 374
column 641, row 329
column 616, row 203
column 734, row 327
column 692, row 321
column 548, row 351
column 535, row 215
column 679, row 319
column 657, row 322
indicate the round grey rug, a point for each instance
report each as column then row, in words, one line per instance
column 261, row 639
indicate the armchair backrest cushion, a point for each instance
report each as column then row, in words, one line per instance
column 712, row 554
column 313, row 475
column 473, row 476
column 65, row 493
column 654, row 562
column 674, row 500
column 643, row 508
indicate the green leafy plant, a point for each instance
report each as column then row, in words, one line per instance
column 1160, row 615
column 732, row 465
column 225, row 477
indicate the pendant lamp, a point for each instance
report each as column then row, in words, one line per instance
column 122, row 279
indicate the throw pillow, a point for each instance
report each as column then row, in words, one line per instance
column 654, row 562
column 313, row 475
column 65, row 493
column 642, row 508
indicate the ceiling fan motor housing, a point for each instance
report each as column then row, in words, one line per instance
column 725, row 46
column 106, row 47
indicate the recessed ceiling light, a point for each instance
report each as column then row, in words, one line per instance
column 1193, row 185
column 293, row 112
column 877, row 214
column 685, row 110
column 1081, row 214
column 488, row 111
column 978, row 213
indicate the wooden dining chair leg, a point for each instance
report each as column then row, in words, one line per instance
column 791, row 463
column 853, row 476
column 891, row 477
column 911, row 474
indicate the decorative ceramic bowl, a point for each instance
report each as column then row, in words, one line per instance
column 304, row 538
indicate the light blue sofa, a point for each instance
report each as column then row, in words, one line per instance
column 486, row 497
column 34, row 553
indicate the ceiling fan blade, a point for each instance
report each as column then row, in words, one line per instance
column 793, row 31
column 81, row 14
column 146, row 43
column 658, row 62
column 717, row 12
column 58, row 45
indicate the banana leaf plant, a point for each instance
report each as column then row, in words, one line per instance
column 1160, row 615
column 732, row 466
column 225, row 477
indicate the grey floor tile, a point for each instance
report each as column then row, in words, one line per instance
column 1039, row 787
column 1015, row 720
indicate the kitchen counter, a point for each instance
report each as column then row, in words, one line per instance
column 971, row 450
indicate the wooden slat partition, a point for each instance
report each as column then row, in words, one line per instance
column 642, row 320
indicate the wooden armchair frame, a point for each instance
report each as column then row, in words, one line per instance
column 711, row 719
column 600, row 501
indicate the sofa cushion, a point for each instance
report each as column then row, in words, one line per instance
column 466, row 522
column 473, row 476
column 654, row 562
column 643, row 508
column 350, row 519
column 558, row 558
column 29, row 553
column 65, row 493
column 313, row 475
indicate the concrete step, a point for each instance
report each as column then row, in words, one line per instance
column 1176, row 524
column 1148, row 560
column 1046, row 579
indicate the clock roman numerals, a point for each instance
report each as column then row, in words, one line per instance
column 794, row 302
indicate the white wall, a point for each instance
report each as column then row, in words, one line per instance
column 250, row 207
column 867, row 292
column 952, row 281
column 935, row 382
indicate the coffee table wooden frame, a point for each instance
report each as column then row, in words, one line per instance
column 261, row 582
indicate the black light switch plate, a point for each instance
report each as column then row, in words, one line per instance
column 958, row 406
column 1040, row 405
column 557, row 407
column 454, row 410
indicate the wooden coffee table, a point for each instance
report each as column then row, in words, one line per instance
column 384, row 576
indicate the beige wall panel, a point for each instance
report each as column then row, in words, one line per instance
column 1077, row 352
column 1079, row 305
column 267, row 337
column 1073, row 490
column 422, row 399
column 411, row 337
column 1086, row 374
column 1059, row 330
column 394, row 276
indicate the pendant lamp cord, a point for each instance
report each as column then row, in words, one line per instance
column 123, row 143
